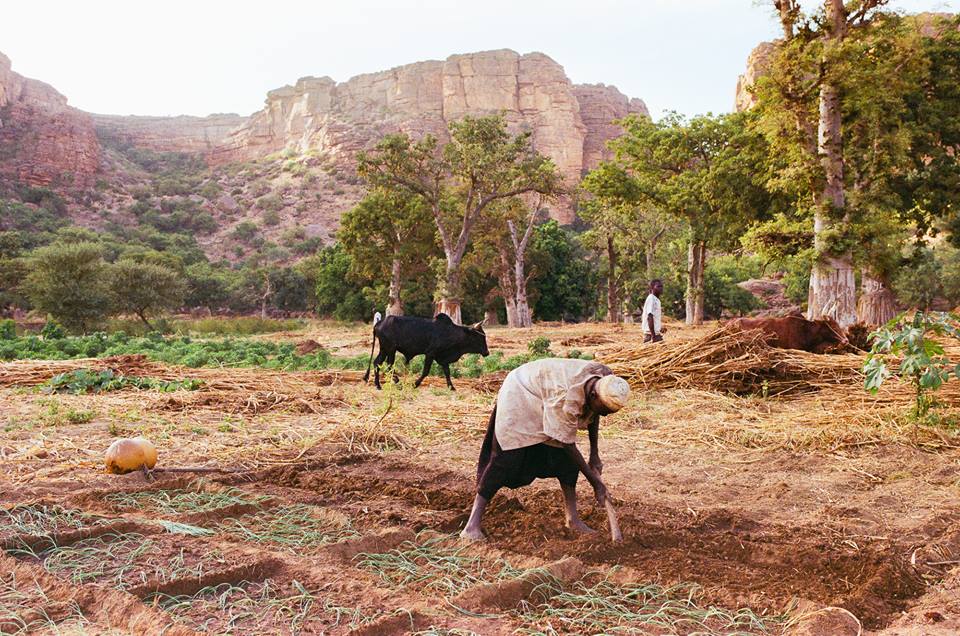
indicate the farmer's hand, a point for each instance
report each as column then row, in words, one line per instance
column 600, row 492
column 596, row 465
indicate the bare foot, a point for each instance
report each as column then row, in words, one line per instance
column 578, row 526
column 473, row 534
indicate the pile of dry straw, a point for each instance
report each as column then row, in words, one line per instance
column 728, row 360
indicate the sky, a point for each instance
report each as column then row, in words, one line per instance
column 209, row 56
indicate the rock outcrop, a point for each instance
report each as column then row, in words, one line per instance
column 568, row 123
column 168, row 134
column 757, row 64
column 600, row 107
column 43, row 141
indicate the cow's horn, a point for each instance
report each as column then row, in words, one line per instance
column 479, row 325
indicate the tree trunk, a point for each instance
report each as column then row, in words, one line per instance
column 628, row 308
column 267, row 292
column 833, row 291
column 143, row 317
column 650, row 254
column 394, row 305
column 876, row 305
column 491, row 317
column 613, row 299
column 450, row 292
column 696, row 263
column 507, row 291
column 524, row 319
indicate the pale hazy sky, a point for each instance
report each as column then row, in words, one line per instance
column 199, row 57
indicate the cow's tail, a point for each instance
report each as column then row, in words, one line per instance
column 373, row 343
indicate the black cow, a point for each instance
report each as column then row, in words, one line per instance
column 439, row 340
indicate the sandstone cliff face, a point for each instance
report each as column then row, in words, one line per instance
column 600, row 106
column 167, row 134
column 42, row 140
column 568, row 123
column 757, row 63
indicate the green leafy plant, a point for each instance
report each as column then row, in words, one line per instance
column 539, row 347
column 921, row 358
column 91, row 381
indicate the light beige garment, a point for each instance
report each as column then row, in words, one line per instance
column 542, row 401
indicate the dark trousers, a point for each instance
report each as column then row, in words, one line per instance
column 497, row 468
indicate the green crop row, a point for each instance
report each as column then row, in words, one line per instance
column 231, row 352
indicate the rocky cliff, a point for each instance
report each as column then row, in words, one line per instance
column 568, row 123
column 168, row 134
column 43, row 141
column 757, row 64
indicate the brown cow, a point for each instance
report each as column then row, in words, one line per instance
column 796, row 332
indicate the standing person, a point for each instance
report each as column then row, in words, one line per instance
column 652, row 318
column 532, row 432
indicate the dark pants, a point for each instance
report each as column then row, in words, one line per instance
column 515, row 468
column 652, row 337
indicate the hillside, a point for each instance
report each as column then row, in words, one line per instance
column 284, row 174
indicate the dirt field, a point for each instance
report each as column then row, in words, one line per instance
column 341, row 507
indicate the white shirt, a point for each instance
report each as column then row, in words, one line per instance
column 542, row 402
column 652, row 306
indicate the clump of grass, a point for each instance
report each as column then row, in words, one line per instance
column 40, row 520
column 54, row 414
column 293, row 527
column 610, row 608
column 434, row 568
column 240, row 608
column 122, row 561
column 181, row 501
column 26, row 609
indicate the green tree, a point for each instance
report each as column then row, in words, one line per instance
column 566, row 279
column 336, row 296
column 389, row 235
column 209, row 286
column 836, row 109
column 69, row 282
column 707, row 172
column 481, row 164
column 145, row 289
column 621, row 218
column 13, row 270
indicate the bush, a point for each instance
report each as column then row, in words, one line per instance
column 539, row 347
column 918, row 282
column 270, row 203
column 69, row 282
column 8, row 329
column 52, row 331
column 245, row 231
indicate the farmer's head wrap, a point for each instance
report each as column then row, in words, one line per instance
column 613, row 392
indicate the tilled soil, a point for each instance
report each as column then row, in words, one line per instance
column 874, row 530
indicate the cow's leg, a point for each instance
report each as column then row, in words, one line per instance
column 392, row 361
column 427, row 364
column 376, row 366
column 446, row 374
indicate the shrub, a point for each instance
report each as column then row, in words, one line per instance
column 270, row 202
column 918, row 282
column 52, row 331
column 271, row 217
column 8, row 329
column 921, row 360
column 69, row 282
column 245, row 231
column 539, row 346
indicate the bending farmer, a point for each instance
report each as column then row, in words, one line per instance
column 532, row 432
